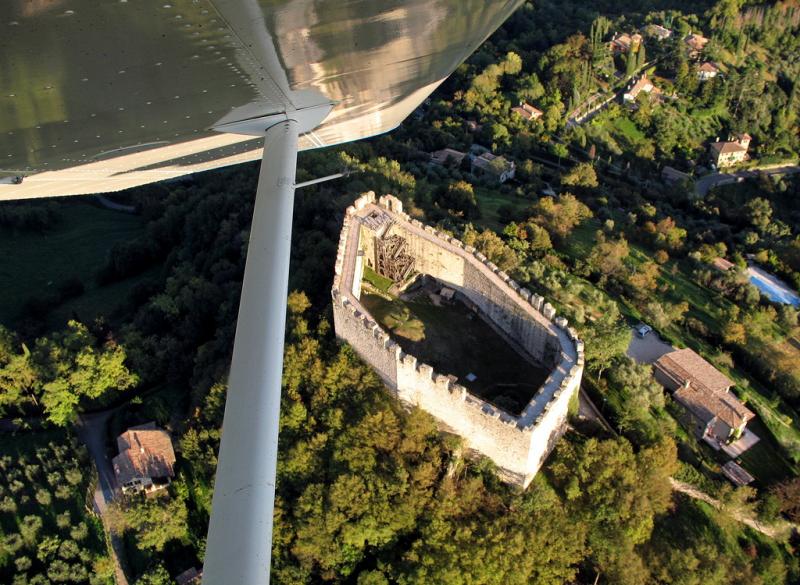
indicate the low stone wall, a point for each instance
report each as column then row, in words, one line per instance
column 517, row 444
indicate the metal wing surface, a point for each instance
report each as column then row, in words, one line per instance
column 102, row 95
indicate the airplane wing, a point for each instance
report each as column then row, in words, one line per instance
column 103, row 95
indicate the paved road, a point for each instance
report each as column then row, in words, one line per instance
column 704, row 184
column 91, row 429
column 647, row 349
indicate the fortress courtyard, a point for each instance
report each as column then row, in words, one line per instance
column 456, row 341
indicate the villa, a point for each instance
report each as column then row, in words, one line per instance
column 484, row 163
column 715, row 413
column 447, row 156
column 624, row 43
column 726, row 154
column 707, row 70
column 643, row 84
column 659, row 32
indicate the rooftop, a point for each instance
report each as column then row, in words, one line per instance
column 727, row 147
column 708, row 67
column 687, row 366
column 696, row 41
column 704, row 389
column 722, row 264
column 709, row 405
column 492, row 163
column 528, row 112
column 144, row 451
column 442, row 157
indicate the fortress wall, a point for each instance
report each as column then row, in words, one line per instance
column 433, row 259
column 551, row 424
column 367, row 338
column 469, row 277
column 517, row 445
column 486, row 429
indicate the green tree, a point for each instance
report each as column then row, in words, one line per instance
column 71, row 365
column 618, row 494
column 560, row 215
column 459, row 198
column 157, row 575
column 155, row 521
column 581, row 175
column 608, row 256
column 492, row 246
column 606, row 338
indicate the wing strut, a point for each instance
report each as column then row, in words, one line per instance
column 239, row 542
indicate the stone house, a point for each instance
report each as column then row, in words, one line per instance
column 726, row 154
column 447, row 156
column 695, row 43
column 528, row 112
column 492, row 166
column 707, row 70
column 643, row 84
column 722, row 264
column 624, row 42
column 146, row 459
column 704, row 392
column 673, row 175
column 659, row 32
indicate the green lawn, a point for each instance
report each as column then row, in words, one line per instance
column 763, row 460
column 379, row 282
column 629, row 129
column 456, row 341
column 37, row 264
column 580, row 242
column 490, row 200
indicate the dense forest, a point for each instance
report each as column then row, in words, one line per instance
column 370, row 492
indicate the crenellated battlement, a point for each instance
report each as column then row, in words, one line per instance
column 518, row 444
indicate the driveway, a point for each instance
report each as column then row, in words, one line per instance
column 91, row 429
column 704, row 184
column 647, row 349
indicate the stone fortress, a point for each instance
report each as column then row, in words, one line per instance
column 376, row 232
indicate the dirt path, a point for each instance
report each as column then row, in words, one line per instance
column 779, row 530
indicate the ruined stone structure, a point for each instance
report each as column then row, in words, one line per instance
column 517, row 444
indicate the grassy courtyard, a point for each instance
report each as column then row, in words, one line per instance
column 456, row 341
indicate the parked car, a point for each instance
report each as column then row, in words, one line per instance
column 642, row 330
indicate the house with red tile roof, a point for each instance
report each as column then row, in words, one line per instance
column 528, row 112
column 731, row 152
column 146, row 459
column 705, row 393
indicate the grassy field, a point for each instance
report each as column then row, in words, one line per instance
column 37, row 264
column 455, row 341
column 629, row 129
column 490, row 201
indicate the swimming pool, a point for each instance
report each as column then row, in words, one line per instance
column 773, row 287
